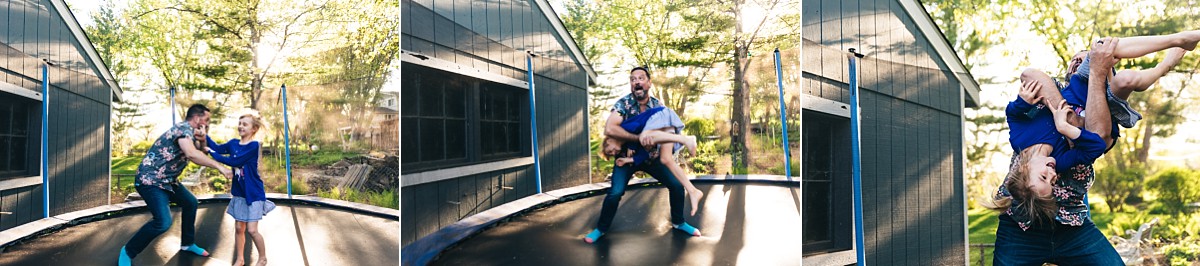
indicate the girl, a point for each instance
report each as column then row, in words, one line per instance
column 656, row 126
column 1032, row 229
column 249, row 202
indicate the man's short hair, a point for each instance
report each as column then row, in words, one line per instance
column 643, row 69
column 195, row 110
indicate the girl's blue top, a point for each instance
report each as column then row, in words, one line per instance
column 246, row 183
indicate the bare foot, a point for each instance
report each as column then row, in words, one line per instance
column 695, row 196
column 261, row 262
column 239, row 263
column 691, row 144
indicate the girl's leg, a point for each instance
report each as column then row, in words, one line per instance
column 1129, row 81
column 1049, row 92
column 1138, row 46
column 252, row 228
column 239, row 243
column 667, row 157
column 661, row 136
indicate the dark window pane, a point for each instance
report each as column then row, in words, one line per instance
column 817, row 212
column 518, row 99
column 456, row 101
column 514, row 139
column 456, row 139
column 410, row 97
column 6, row 113
column 433, row 142
column 485, row 134
column 5, row 154
column 19, row 153
column 20, row 120
column 410, row 139
column 431, row 95
column 486, row 107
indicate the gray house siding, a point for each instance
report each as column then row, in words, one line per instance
column 911, row 127
column 80, row 104
column 493, row 37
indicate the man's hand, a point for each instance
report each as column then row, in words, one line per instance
column 226, row 172
column 1029, row 92
column 1101, row 56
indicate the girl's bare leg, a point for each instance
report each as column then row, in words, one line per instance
column 1049, row 92
column 252, row 228
column 667, row 157
column 660, row 136
column 1138, row 46
column 239, row 243
column 1129, row 81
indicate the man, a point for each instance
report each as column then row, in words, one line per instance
column 635, row 103
column 158, row 184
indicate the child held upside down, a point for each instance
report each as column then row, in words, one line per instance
column 656, row 126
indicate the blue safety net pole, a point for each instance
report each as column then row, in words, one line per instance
column 45, row 141
column 287, row 144
column 857, row 158
column 173, row 113
column 787, row 153
column 537, row 163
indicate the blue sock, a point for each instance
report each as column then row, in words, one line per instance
column 593, row 236
column 195, row 249
column 124, row 259
column 686, row 228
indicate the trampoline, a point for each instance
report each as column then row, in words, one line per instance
column 744, row 220
column 300, row 231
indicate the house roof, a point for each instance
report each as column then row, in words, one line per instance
column 943, row 49
column 570, row 41
column 89, row 49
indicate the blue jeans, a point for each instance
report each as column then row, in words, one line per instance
column 1058, row 243
column 158, row 201
column 620, row 180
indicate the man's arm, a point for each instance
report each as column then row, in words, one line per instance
column 613, row 128
column 1099, row 119
column 198, row 157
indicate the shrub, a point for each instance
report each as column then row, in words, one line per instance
column 1175, row 188
column 219, row 183
column 1181, row 253
column 1129, row 221
column 700, row 127
column 140, row 147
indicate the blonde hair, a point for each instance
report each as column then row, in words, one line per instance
column 255, row 122
column 603, row 143
column 1037, row 208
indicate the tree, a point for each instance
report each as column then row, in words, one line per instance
column 109, row 36
column 1176, row 188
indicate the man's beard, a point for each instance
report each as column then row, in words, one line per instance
column 636, row 95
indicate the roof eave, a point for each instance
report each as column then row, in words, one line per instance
column 88, row 48
column 943, row 49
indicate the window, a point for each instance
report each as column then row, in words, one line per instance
column 451, row 119
column 827, row 181
column 16, row 155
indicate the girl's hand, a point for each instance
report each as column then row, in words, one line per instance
column 1061, row 112
column 1029, row 92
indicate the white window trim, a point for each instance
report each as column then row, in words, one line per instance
column 845, row 257
column 456, row 172
column 20, row 182
column 19, row 91
column 436, row 63
column 826, row 106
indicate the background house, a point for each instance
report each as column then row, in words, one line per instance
column 466, row 144
column 81, row 94
column 913, row 92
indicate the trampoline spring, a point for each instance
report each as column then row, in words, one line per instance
column 504, row 187
column 453, row 202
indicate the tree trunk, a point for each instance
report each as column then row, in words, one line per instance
column 741, row 121
column 1143, row 154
